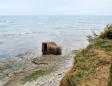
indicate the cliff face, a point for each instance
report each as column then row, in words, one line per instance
column 92, row 64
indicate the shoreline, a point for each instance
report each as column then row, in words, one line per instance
column 57, row 63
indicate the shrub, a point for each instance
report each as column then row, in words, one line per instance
column 100, row 60
column 84, row 51
column 91, row 68
column 71, row 80
column 107, row 33
column 80, row 59
column 91, row 45
column 107, row 45
column 100, row 41
column 75, row 78
column 90, row 54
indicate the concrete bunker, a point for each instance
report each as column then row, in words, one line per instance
column 51, row 48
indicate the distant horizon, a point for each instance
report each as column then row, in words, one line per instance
column 55, row 15
column 55, row 7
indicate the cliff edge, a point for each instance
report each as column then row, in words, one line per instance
column 92, row 65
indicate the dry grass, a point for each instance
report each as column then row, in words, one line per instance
column 91, row 64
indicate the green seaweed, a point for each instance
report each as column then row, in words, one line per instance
column 35, row 75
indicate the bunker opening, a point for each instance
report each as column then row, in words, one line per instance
column 45, row 46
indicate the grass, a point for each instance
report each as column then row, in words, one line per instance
column 35, row 75
column 91, row 45
column 110, row 77
column 74, row 79
column 80, row 59
column 107, row 33
column 100, row 60
column 101, row 41
column 82, row 71
column 90, row 54
column 84, row 66
column 107, row 45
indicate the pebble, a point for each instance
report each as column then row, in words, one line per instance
column 51, row 80
column 54, row 78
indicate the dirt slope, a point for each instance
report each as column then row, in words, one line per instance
column 92, row 64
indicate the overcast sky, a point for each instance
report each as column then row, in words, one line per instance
column 55, row 7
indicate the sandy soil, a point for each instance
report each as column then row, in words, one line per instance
column 101, row 73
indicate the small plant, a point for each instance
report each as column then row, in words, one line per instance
column 80, row 59
column 107, row 33
column 107, row 45
column 90, row 54
column 91, row 45
column 91, row 68
column 83, row 66
column 35, row 75
column 102, row 41
column 71, row 80
column 92, row 39
column 75, row 78
column 100, row 60
column 110, row 77
column 84, row 51
column 81, row 74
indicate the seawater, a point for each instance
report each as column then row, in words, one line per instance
column 21, row 34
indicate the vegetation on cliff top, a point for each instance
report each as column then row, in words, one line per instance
column 88, row 60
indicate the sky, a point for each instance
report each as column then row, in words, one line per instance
column 55, row 7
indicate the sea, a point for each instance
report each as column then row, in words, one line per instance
column 25, row 34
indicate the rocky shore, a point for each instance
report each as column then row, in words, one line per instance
column 62, row 64
column 59, row 64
